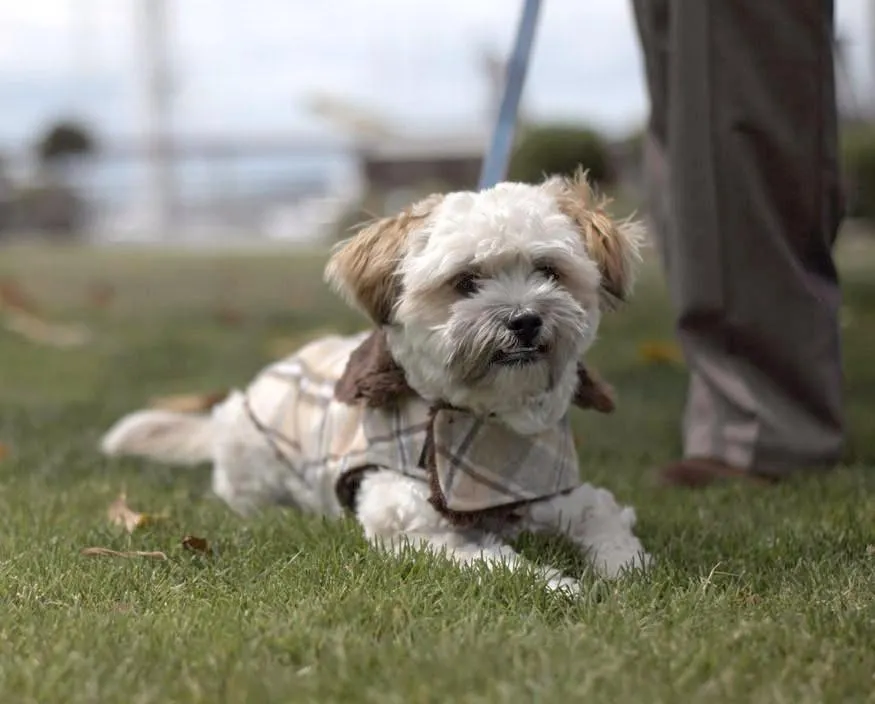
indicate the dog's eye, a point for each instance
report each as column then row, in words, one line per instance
column 548, row 272
column 466, row 285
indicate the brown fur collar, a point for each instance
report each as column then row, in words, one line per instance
column 372, row 376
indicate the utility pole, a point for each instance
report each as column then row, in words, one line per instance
column 871, row 38
column 157, row 97
column 81, row 49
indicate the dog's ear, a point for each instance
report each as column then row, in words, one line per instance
column 364, row 268
column 613, row 245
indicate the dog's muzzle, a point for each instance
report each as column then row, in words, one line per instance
column 526, row 328
column 520, row 356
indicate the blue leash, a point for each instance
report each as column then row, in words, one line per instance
column 496, row 162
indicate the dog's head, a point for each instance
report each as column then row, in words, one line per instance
column 491, row 298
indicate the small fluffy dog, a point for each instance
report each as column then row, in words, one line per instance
column 447, row 425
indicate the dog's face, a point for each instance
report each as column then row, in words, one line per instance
column 490, row 299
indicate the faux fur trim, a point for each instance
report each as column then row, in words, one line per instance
column 592, row 392
column 374, row 378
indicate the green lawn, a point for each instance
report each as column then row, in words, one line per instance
column 759, row 595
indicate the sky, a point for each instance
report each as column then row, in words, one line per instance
column 247, row 67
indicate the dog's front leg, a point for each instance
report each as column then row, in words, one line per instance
column 592, row 519
column 394, row 511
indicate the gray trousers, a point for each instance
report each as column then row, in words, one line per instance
column 741, row 160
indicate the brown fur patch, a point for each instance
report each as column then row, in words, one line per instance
column 364, row 267
column 592, row 392
column 372, row 375
column 612, row 245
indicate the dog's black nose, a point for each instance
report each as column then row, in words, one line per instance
column 526, row 327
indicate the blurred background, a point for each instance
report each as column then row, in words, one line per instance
column 224, row 122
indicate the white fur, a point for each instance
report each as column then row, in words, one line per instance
column 503, row 233
column 166, row 436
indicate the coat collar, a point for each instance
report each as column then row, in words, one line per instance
column 374, row 378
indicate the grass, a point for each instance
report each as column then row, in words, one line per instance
column 758, row 595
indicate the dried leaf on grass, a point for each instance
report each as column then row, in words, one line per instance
column 43, row 332
column 120, row 514
column 188, row 403
column 285, row 345
column 4, row 451
column 14, row 298
column 870, row 549
column 21, row 315
column 226, row 312
column 194, row 544
column 229, row 316
column 658, row 352
column 106, row 552
column 101, row 294
column 280, row 347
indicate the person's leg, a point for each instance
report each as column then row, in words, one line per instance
column 753, row 209
column 652, row 21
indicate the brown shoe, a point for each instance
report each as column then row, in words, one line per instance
column 700, row 472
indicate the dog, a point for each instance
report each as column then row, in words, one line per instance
column 445, row 426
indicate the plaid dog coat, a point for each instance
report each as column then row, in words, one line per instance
column 311, row 409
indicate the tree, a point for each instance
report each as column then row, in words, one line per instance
column 64, row 140
column 560, row 150
column 53, row 203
